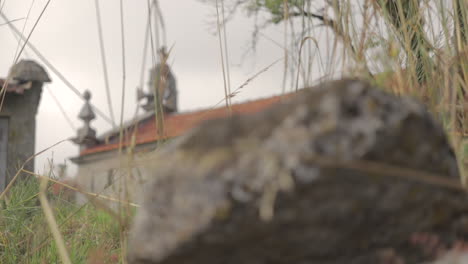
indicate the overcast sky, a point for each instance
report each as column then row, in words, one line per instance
column 67, row 36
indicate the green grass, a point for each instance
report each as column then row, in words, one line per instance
column 91, row 235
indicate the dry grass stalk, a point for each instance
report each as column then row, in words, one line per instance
column 90, row 195
column 53, row 223
column 223, row 63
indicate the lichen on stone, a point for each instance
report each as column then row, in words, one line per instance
column 262, row 168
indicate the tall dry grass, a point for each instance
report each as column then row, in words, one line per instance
column 408, row 47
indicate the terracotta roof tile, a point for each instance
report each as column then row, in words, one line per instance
column 178, row 124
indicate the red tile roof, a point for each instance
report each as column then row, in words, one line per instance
column 178, row 124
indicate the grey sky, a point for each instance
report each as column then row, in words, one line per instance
column 67, row 36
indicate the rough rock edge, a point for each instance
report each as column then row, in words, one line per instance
column 251, row 159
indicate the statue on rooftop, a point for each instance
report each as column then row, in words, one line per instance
column 162, row 83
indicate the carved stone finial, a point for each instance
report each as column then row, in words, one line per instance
column 87, row 95
column 86, row 135
column 87, row 113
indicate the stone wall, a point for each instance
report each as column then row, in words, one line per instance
column 107, row 173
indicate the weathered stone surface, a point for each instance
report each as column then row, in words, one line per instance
column 28, row 70
column 256, row 189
